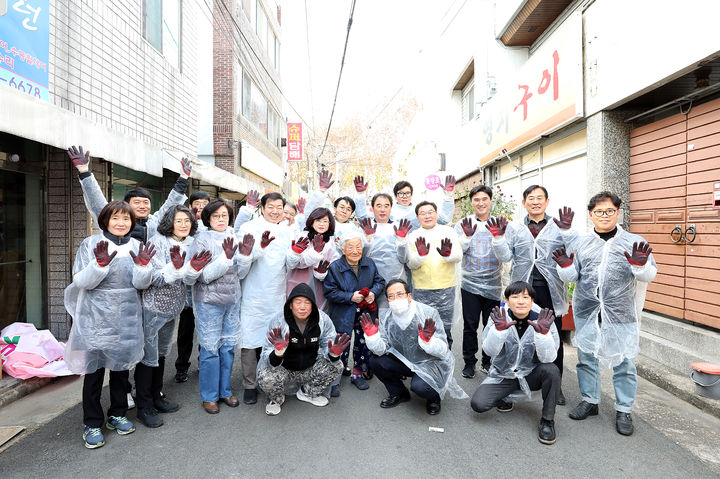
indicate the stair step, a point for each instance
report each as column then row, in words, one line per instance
column 700, row 341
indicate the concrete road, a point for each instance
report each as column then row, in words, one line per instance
column 353, row 437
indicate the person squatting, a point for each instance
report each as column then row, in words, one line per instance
column 300, row 294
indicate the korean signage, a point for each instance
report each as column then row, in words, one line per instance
column 25, row 46
column 545, row 94
column 294, row 141
column 432, row 182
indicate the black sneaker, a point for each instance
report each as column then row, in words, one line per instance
column 468, row 372
column 250, row 396
column 504, row 406
column 181, row 376
column 583, row 410
column 546, row 431
column 392, row 401
column 347, row 372
column 149, row 417
column 165, row 406
column 623, row 423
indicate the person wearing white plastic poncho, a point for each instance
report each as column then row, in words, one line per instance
column 264, row 286
column 343, row 208
column 528, row 244
column 611, row 269
column 407, row 343
column 105, row 305
column 301, row 354
column 216, row 294
column 403, row 208
column 433, row 253
column 522, row 344
column 162, row 303
column 316, row 257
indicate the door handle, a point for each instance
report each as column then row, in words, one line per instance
column 690, row 234
column 676, row 231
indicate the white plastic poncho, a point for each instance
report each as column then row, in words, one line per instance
column 381, row 247
column 105, row 305
column 305, row 272
column 399, row 212
column 433, row 362
column 481, row 269
column 317, row 199
column 512, row 357
column 606, row 284
column 95, row 201
column 434, row 277
column 216, row 289
column 525, row 252
column 264, row 286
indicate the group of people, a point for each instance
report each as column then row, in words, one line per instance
column 299, row 287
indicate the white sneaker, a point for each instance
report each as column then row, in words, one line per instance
column 272, row 408
column 131, row 402
column 318, row 401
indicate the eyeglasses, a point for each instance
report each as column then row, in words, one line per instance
column 390, row 297
column 404, row 194
column 599, row 213
column 220, row 217
column 182, row 222
column 323, row 221
column 427, row 213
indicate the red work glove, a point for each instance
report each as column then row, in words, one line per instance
column 229, row 247
column 402, row 229
column 445, row 248
column 368, row 326
column 279, row 341
column 101, row 254
column 318, row 243
column 468, row 227
column 253, row 198
column 367, row 226
column 144, row 255
column 341, row 343
column 322, row 266
column 360, row 184
column 544, row 321
column 301, row 205
column 560, row 256
column 498, row 317
column 200, row 260
column 640, row 254
column 426, row 330
column 449, row 185
column 186, row 167
column 364, row 291
column 325, row 180
column 247, row 244
column 301, row 245
column 566, row 217
column 80, row 159
column 497, row 226
column 422, row 247
column 178, row 260
column 266, row 239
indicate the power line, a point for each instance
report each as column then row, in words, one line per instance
column 337, row 89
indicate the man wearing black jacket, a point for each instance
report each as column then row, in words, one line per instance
column 302, row 352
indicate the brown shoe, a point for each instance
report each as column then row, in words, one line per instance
column 231, row 401
column 211, row 407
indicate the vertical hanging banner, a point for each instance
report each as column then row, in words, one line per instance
column 294, row 141
column 25, row 46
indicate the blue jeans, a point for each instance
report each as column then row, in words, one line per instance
column 215, row 370
column 624, row 381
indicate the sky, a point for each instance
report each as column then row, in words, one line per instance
column 382, row 54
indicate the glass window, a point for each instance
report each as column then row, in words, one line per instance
column 246, row 88
column 259, row 110
column 468, row 102
column 261, row 26
column 152, row 24
column 237, row 88
column 162, row 27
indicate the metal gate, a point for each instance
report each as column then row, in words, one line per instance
column 674, row 164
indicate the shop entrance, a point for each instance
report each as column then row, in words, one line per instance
column 674, row 165
column 21, row 239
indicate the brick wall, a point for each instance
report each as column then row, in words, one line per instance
column 102, row 69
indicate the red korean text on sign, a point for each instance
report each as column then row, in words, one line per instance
column 545, row 81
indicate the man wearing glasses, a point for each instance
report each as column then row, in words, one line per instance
column 432, row 253
column 611, row 268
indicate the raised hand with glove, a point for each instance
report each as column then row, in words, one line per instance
column 101, row 254
column 499, row 318
column 341, row 343
column 545, row 319
column 80, row 159
column 279, row 342
column 497, row 226
column 144, row 254
column 560, row 256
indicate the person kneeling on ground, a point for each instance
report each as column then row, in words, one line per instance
column 409, row 343
column 302, row 352
column 522, row 357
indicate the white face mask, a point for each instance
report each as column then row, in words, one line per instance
column 399, row 306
